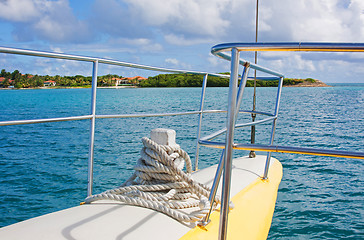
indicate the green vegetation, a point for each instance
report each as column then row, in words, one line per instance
column 189, row 80
column 183, row 80
column 310, row 80
column 18, row 80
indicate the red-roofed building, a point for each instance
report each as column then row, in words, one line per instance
column 129, row 80
column 2, row 80
column 119, row 81
column 49, row 83
column 138, row 78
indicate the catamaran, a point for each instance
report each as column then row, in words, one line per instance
column 168, row 196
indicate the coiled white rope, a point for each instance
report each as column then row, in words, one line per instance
column 159, row 183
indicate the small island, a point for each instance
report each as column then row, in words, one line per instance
column 18, row 80
column 308, row 82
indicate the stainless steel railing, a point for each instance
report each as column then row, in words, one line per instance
column 234, row 103
column 234, row 58
column 93, row 115
column 235, row 98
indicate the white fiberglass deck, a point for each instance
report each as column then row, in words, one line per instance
column 114, row 220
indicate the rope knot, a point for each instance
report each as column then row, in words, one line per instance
column 160, row 183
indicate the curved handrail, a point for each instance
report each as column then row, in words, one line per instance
column 290, row 46
column 234, row 57
column 220, row 49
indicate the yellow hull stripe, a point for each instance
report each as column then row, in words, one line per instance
column 252, row 215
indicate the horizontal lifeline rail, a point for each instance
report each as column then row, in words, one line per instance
column 287, row 149
column 139, row 115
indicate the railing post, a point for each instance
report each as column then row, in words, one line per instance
column 204, row 83
column 244, row 78
column 214, row 187
column 267, row 162
column 92, row 129
column 278, row 100
column 225, row 199
column 221, row 163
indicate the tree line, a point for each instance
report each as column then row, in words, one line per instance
column 191, row 80
column 19, row 80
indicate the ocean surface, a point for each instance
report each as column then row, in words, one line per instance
column 43, row 167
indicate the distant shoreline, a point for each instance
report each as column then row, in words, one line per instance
column 45, row 88
column 305, row 83
column 17, row 80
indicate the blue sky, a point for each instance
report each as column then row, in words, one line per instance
column 180, row 34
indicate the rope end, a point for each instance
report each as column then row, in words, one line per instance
column 202, row 226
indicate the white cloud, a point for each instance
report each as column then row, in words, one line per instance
column 116, row 19
column 327, row 67
column 141, row 44
column 45, row 20
column 177, row 63
column 62, row 67
column 18, row 10
column 214, row 61
column 201, row 17
column 172, row 61
column 189, row 22
column 289, row 64
column 340, row 71
column 56, row 49
column 311, row 20
column 181, row 40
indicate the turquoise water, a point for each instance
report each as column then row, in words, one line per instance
column 43, row 167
